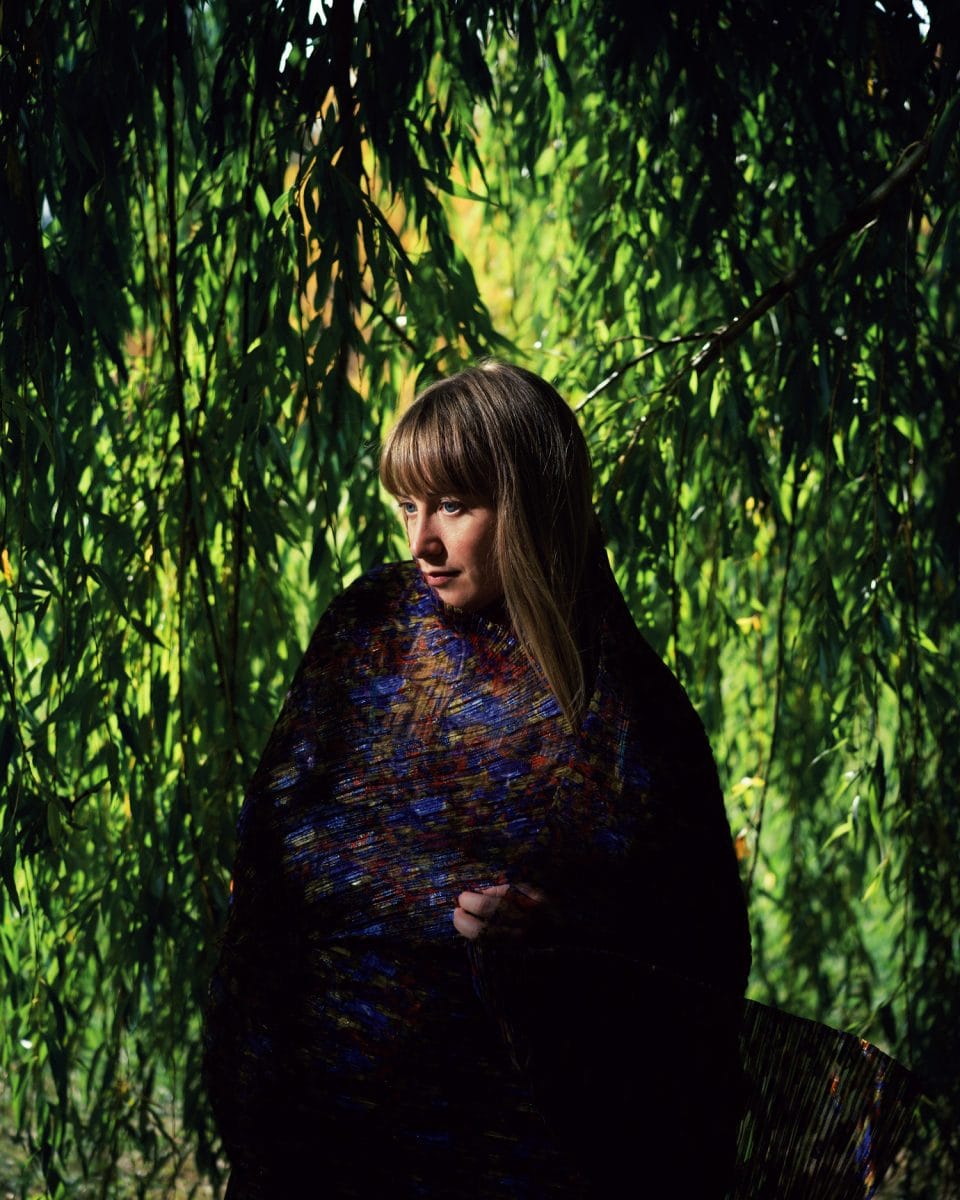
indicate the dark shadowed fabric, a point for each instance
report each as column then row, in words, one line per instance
column 355, row 1044
column 826, row 1113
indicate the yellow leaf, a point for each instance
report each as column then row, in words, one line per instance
column 7, row 569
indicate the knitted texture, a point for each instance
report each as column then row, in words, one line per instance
column 418, row 754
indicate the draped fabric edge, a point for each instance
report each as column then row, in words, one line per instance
column 815, row 1113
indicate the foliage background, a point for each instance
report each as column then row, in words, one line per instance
column 236, row 235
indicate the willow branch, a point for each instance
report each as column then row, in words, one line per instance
column 721, row 339
column 179, row 379
column 778, row 679
column 856, row 219
column 618, row 372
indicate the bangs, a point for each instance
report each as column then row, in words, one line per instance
column 430, row 452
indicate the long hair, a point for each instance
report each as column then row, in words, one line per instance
column 503, row 433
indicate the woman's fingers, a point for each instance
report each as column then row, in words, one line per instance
column 508, row 906
column 466, row 925
column 485, row 903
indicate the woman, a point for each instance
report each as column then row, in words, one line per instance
column 487, row 934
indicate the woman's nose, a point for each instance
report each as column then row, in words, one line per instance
column 424, row 539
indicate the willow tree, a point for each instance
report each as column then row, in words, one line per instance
column 235, row 234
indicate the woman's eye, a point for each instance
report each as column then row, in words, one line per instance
column 407, row 507
column 450, row 506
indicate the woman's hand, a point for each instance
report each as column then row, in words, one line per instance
column 512, row 909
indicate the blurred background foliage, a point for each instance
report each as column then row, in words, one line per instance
column 236, row 236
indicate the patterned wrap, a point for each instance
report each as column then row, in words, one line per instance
column 354, row 1041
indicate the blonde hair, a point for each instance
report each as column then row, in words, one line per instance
column 502, row 433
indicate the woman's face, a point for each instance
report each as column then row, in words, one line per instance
column 451, row 539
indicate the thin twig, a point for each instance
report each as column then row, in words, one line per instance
column 619, row 372
column 391, row 321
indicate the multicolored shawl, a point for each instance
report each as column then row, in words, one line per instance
column 355, row 1042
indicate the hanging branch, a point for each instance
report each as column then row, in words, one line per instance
column 778, row 680
column 191, row 524
column 618, row 372
column 723, row 337
column 858, row 218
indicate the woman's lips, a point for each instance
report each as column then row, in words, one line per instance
column 439, row 578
